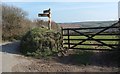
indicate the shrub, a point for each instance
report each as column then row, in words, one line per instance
column 14, row 22
column 41, row 42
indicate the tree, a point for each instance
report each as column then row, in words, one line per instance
column 12, row 22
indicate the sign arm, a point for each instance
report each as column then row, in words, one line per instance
column 47, row 13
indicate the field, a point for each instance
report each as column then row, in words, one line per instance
column 91, row 41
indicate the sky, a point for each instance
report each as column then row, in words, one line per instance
column 60, row 0
column 71, row 11
column 119, row 9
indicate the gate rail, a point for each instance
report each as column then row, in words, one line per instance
column 90, row 37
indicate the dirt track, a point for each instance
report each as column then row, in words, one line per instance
column 52, row 66
column 12, row 61
column 10, row 56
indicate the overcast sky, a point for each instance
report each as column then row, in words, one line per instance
column 71, row 11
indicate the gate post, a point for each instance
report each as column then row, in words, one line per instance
column 119, row 33
column 62, row 35
column 119, row 20
column 68, row 39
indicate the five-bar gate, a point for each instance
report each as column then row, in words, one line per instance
column 93, row 38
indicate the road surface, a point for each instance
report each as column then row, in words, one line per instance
column 10, row 56
column 12, row 61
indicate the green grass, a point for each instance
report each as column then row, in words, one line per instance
column 106, row 37
column 96, row 37
column 83, row 57
column 91, row 42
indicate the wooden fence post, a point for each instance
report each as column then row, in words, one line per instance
column 47, row 13
column 119, row 35
column 49, row 20
column 119, row 25
column 119, row 20
column 62, row 35
column 68, row 39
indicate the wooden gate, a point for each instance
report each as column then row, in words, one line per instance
column 93, row 38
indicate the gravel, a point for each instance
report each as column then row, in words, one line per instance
column 13, row 61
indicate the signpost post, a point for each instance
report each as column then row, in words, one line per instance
column 47, row 13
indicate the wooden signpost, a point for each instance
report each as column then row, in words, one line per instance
column 47, row 13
